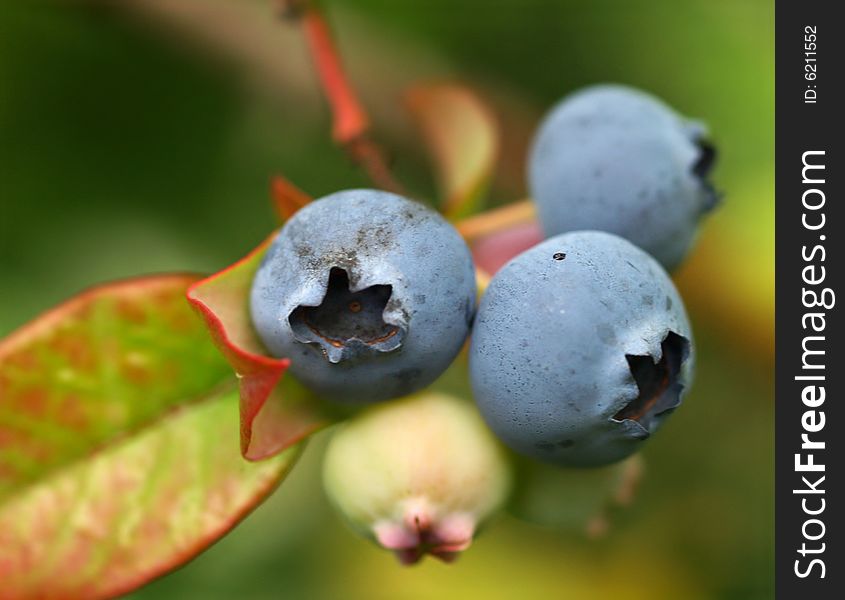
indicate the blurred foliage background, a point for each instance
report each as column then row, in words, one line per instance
column 138, row 136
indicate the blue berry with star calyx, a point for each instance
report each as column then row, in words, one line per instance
column 580, row 350
column 369, row 294
column 616, row 159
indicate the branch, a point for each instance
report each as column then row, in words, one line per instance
column 351, row 127
column 497, row 219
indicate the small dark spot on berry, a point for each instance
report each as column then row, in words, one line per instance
column 606, row 333
column 559, row 255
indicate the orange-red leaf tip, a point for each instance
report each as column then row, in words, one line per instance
column 287, row 198
column 274, row 414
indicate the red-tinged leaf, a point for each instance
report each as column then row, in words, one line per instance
column 276, row 412
column 287, row 198
column 135, row 509
column 106, row 362
column 118, row 456
column 463, row 138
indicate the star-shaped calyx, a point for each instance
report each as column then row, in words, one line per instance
column 348, row 322
column 659, row 388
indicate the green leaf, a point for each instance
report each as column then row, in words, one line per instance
column 463, row 139
column 118, row 444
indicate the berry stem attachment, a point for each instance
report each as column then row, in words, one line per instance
column 351, row 127
column 495, row 220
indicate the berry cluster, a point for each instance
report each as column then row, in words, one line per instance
column 580, row 347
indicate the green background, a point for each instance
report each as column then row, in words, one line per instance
column 139, row 137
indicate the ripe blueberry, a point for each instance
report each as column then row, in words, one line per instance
column 370, row 295
column 612, row 158
column 580, row 349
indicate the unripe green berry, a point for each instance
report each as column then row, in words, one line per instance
column 417, row 475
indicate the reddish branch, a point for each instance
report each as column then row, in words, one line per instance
column 477, row 226
column 351, row 128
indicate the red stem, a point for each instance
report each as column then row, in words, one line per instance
column 351, row 127
column 350, row 120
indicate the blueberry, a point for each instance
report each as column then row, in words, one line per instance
column 580, row 349
column 612, row 158
column 370, row 295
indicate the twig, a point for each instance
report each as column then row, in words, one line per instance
column 351, row 127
